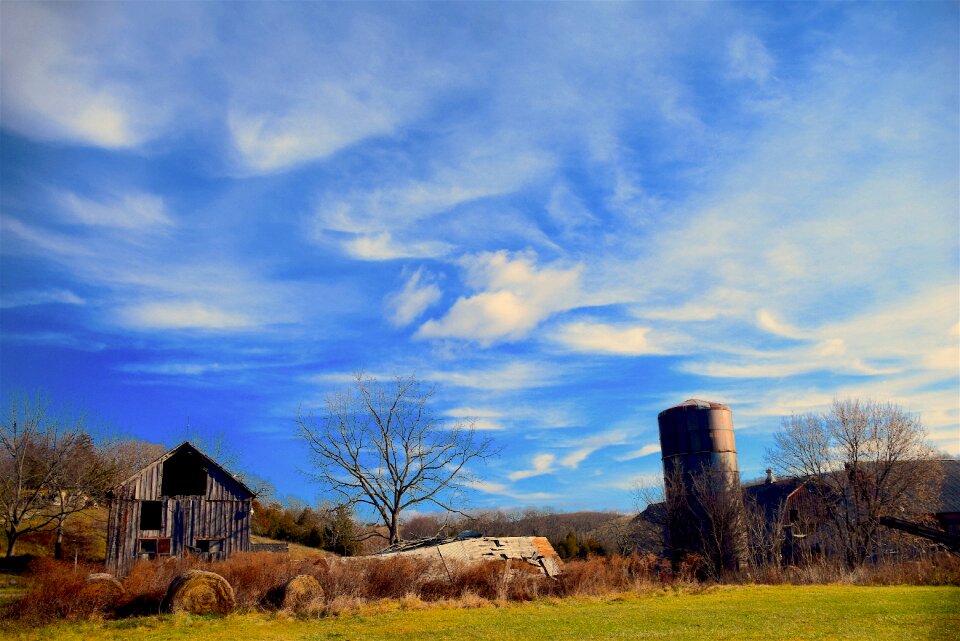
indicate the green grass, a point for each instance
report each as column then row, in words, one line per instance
column 769, row 613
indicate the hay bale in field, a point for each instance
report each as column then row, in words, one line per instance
column 299, row 591
column 199, row 592
column 103, row 587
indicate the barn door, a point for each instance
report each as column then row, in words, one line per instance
column 178, row 530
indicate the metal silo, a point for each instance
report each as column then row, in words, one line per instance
column 702, row 481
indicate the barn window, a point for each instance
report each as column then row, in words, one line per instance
column 208, row 545
column 151, row 515
column 184, row 474
column 152, row 547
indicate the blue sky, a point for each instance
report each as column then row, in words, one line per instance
column 567, row 216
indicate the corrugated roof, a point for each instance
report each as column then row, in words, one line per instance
column 535, row 550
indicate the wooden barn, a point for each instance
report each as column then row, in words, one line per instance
column 181, row 503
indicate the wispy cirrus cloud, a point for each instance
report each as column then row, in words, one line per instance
column 749, row 59
column 502, row 489
column 183, row 315
column 603, row 338
column 54, row 88
column 130, row 211
column 646, row 450
column 540, row 464
column 383, row 246
column 514, row 375
column 39, row 297
column 417, row 295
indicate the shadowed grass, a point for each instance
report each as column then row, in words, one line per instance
column 770, row 613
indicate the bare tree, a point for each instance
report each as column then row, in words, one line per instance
column 49, row 470
column 379, row 445
column 862, row 460
column 720, row 521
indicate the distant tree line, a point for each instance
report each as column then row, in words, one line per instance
column 323, row 527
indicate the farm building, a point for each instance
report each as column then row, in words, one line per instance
column 184, row 502
column 471, row 547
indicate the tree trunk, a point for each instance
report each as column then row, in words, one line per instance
column 58, row 546
column 395, row 528
column 11, row 541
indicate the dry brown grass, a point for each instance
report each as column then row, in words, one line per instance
column 58, row 590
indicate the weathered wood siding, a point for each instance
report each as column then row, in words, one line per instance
column 223, row 513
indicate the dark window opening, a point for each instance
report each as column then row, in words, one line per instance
column 794, row 516
column 208, row 545
column 184, row 474
column 154, row 547
column 151, row 515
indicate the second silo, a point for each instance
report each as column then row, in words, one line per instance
column 702, row 481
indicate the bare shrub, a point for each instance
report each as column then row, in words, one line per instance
column 59, row 590
column 395, row 577
column 254, row 575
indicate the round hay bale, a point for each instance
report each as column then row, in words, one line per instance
column 200, row 592
column 103, row 587
column 299, row 591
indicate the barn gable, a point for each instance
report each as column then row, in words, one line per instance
column 183, row 471
column 183, row 502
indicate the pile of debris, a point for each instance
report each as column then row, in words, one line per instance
column 471, row 547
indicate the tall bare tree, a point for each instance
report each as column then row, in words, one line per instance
column 863, row 460
column 49, row 470
column 379, row 445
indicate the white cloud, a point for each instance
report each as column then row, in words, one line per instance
column 39, row 297
column 585, row 447
column 42, row 241
column 396, row 217
column 770, row 323
column 52, row 89
column 541, row 464
column 179, row 369
column 182, row 315
column 418, row 294
column 473, row 412
column 127, row 211
column 516, row 296
column 748, row 58
column 646, row 450
column 479, row 419
column 601, row 338
column 501, row 489
column 914, row 333
column 383, row 246
column 333, row 118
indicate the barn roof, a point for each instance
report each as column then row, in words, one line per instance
column 950, row 492
column 468, row 548
column 187, row 445
column 772, row 495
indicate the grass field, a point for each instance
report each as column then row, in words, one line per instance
column 752, row 612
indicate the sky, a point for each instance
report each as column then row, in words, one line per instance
column 568, row 217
